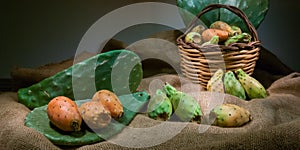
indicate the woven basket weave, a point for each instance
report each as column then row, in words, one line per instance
column 199, row 63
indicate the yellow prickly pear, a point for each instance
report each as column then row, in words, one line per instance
column 198, row 29
column 233, row 86
column 253, row 88
column 215, row 84
column 230, row 115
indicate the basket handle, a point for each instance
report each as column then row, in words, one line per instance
column 233, row 9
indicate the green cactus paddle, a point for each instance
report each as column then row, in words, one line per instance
column 255, row 10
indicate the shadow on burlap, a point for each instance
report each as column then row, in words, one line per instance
column 275, row 123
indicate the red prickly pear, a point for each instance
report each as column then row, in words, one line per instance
column 63, row 113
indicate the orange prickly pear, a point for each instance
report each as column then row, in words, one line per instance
column 221, row 25
column 64, row 114
column 94, row 114
column 110, row 101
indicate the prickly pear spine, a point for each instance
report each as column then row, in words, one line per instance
column 253, row 88
column 215, row 83
column 233, row 86
column 160, row 106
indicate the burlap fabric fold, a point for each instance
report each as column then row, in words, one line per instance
column 275, row 124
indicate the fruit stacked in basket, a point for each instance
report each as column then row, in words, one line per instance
column 220, row 45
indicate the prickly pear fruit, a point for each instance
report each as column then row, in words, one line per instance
column 63, row 113
column 198, row 29
column 236, row 30
column 233, row 86
column 193, row 37
column 94, row 114
column 110, row 101
column 230, row 115
column 253, row 88
column 215, row 83
column 184, row 105
column 159, row 106
column 213, row 40
column 209, row 33
column 223, row 26
column 244, row 38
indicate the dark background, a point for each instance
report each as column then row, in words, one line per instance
column 37, row 32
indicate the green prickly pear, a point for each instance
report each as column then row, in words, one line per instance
column 193, row 37
column 160, row 107
column 236, row 30
column 244, row 37
column 230, row 115
column 253, row 88
column 184, row 105
column 233, row 86
column 215, row 83
column 213, row 40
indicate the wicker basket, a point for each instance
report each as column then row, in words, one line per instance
column 199, row 63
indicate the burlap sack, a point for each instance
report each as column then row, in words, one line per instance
column 275, row 124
